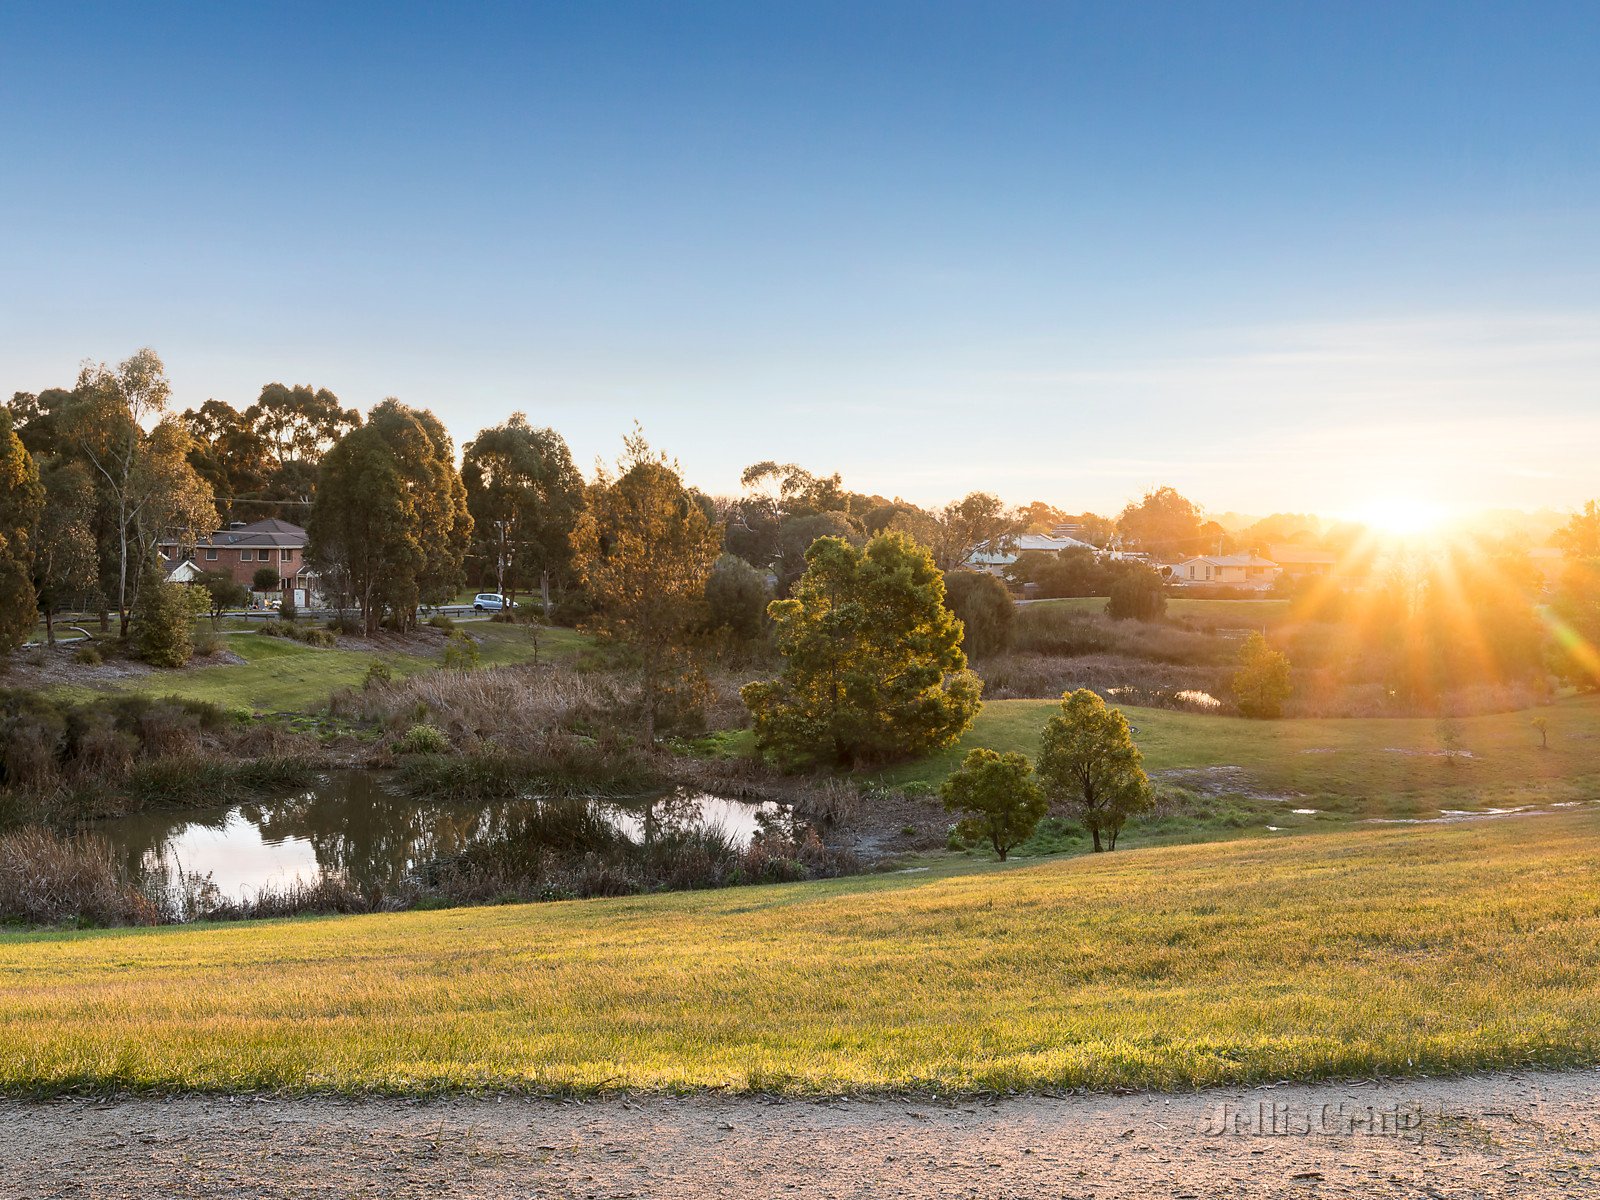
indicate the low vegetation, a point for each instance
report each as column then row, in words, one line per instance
column 1174, row 967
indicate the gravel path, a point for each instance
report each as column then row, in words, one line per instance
column 1525, row 1134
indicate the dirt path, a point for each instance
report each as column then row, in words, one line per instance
column 1505, row 1135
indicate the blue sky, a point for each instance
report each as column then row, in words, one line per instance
column 1285, row 256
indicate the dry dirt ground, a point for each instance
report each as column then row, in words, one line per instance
column 1525, row 1134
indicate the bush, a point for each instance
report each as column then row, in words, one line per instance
column 1261, row 684
column 207, row 644
column 378, row 674
column 736, row 599
column 88, row 655
column 287, row 612
column 162, row 630
column 1139, row 595
column 1000, row 799
column 422, row 739
column 461, row 652
column 266, row 579
column 441, row 621
column 985, row 608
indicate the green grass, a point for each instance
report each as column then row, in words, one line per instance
column 1202, row 614
column 1387, row 766
column 1388, row 951
column 280, row 675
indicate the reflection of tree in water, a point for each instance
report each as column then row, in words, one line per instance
column 361, row 831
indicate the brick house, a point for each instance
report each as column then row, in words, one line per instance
column 242, row 549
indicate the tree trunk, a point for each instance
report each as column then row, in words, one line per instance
column 1095, row 830
column 544, row 592
column 49, row 625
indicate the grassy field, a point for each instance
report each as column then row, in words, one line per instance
column 1201, row 614
column 1393, row 950
column 1371, row 766
column 280, row 675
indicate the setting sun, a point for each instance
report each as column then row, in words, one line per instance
column 1401, row 516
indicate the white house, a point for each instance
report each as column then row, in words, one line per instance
column 996, row 561
column 1228, row 570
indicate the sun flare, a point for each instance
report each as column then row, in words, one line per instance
column 1401, row 516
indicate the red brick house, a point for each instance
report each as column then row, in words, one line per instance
column 242, row 549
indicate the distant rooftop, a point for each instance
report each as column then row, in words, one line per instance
column 267, row 532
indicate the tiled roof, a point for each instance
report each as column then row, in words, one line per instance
column 268, row 532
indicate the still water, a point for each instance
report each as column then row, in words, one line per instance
column 358, row 826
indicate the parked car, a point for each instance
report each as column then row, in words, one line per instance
column 491, row 602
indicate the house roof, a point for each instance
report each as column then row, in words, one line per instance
column 268, row 532
column 1039, row 542
column 1231, row 560
column 1301, row 554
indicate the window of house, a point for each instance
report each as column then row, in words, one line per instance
column 286, row 555
column 247, row 556
column 211, row 554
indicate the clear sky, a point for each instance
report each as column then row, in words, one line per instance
column 1282, row 255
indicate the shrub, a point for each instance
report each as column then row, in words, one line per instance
column 1139, row 595
column 1261, row 684
column 1000, row 799
column 461, row 652
column 736, row 599
column 88, row 655
column 207, row 644
column 266, row 579
column 441, row 621
column 1087, row 760
column 162, row 626
column 985, row 608
column 287, row 612
column 378, row 674
column 422, row 739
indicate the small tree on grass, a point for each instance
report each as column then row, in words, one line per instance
column 1542, row 726
column 1001, row 800
column 161, row 624
column 1089, row 763
column 1140, row 595
column 1261, row 684
column 222, row 593
column 266, row 579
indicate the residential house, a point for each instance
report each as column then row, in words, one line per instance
column 995, row 562
column 1298, row 561
column 241, row 550
column 1228, row 570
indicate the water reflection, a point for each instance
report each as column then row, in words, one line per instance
column 354, row 825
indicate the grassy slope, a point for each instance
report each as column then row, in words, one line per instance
column 279, row 675
column 1414, row 949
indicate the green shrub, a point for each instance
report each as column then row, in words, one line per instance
column 461, row 652
column 378, row 674
column 1139, row 595
column 422, row 739
column 162, row 628
column 999, row 800
column 88, row 655
column 1261, row 684
column 985, row 608
column 441, row 621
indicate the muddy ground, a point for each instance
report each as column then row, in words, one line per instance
column 1525, row 1134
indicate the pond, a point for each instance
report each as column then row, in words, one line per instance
column 358, row 826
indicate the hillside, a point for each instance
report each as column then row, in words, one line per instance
column 1409, row 949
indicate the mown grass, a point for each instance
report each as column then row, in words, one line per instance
column 1392, row 951
column 280, row 675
